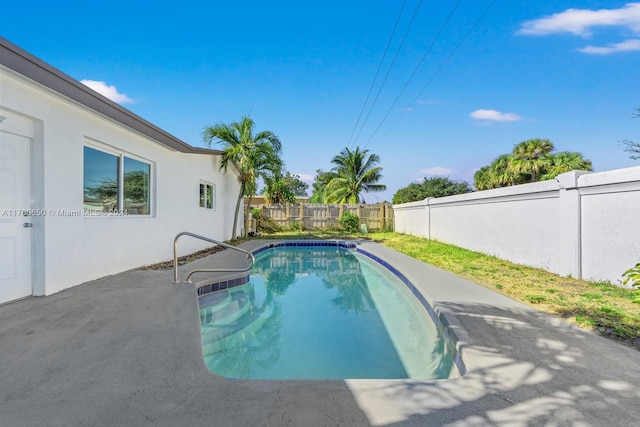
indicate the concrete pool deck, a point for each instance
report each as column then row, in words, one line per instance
column 125, row 350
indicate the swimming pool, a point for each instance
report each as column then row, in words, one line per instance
column 319, row 312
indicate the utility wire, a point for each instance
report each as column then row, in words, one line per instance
column 386, row 49
column 388, row 71
column 415, row 70
column 433, row 76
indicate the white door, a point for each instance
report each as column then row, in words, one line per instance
column 15, row 199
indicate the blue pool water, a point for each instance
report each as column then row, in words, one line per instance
column 320, row 313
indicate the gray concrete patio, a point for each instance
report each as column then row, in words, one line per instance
column 125, row 351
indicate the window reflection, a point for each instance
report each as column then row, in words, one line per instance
column 115, row 183
column 206, row 196
column 100, row 181
column 136, row 187
column 209, row 196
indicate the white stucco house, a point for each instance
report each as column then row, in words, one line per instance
column 88, row 188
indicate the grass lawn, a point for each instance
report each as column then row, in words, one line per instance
column 598, row 306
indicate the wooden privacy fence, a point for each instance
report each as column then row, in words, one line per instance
column 311, row 216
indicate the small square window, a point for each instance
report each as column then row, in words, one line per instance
column 207, row 195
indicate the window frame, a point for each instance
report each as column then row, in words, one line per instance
column 121, row 155
column 206, row 185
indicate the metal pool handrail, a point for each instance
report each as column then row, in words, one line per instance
column 250, row 258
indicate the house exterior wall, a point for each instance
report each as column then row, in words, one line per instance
column 580, row 224
column 69, row 250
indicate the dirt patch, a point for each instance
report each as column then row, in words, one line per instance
column 168, row 265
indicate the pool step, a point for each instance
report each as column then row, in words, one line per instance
column 226, row 310
column 229, row 314
column 213, row 343
column 215, row 300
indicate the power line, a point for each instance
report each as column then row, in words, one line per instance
column 388, row 71
column 433, row 76
column 415, row 70
column 386, row 49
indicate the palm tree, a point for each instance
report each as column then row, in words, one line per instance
column 504, row 172
column 566, row 161
column 254, row 155
column 319, row 185
column 532, row 157
column 500, row 173
column 483, row 179
column 355, row 173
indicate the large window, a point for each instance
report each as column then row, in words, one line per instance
column 115, row 184
column 207, row 195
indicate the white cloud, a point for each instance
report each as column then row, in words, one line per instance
column 428, row 102
column 495, row 116
column 110, row 92
column 625, row 46
column 306, row 178
column 437, row 170
column 580, row 21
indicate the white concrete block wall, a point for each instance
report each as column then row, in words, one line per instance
column 414, row 219
column 491, row 226
column 579, row 225
column 610, row 220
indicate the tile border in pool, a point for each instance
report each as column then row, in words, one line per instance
column 225, row 284
column 230, row 283
column 441, row 323
column 338, row 243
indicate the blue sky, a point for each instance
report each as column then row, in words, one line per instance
column 459, row 90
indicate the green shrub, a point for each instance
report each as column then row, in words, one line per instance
column 349, row 222
column 535, row 299
column 632, row 275
column 256, row 213
column 387, row 228
column 294, row 226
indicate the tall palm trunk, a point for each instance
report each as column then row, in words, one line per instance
column 235, row 216
column 246, row 215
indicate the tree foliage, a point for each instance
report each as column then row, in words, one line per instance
column 295, row 184
column 280, row 189
column 319, row 184
column 633, row 147
column 253, row 154
column 531, row 157
column 355, row 172
column 530, row 161
column 437, row 186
